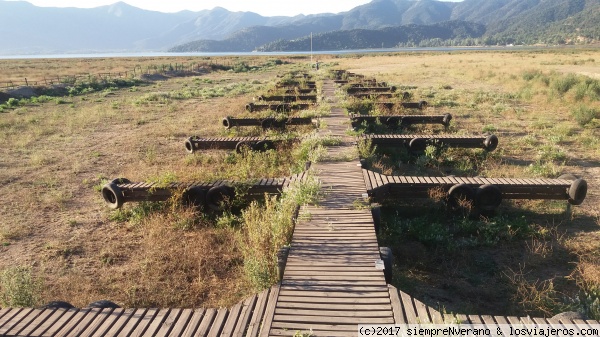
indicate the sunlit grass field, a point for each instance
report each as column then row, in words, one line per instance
column 57, row 235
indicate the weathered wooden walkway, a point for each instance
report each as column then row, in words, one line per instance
column 247, row 318
column 330, row 284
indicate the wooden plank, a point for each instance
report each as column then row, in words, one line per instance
column 292, row 282
column 19, row 321
column 8, row 315
column 284, row 301
column 270, row 311
column 366, row 275
column 54, row 322
column 218, row 323
column 293, row 327
column 5, row 312
column 333, row 262
column 167, row 325
column 306, row 332
column 133, row 321
column 232, row 320
column 581, row 324
column 475, row 319
column 397, row 309
column 336, row 288
column 501, row 320
column 156, row 322
column 103, row 329
column 187, row 323
column 199, row 323
column 333, row 313
column 79, row 322
column 367, row 180
column 179, row 325
column 326, row 319
column 373, row 180
column 422, row 312
column 513, row 320
column 409, row 308
column 435, row 315
column 244, row 316
column 258, row 314
column 325, row 276
column 43, row 316
column 102, row 316
column 332, row 306
column 325, row 294
column 460, row 318
column 144, row 323
column 123, row 320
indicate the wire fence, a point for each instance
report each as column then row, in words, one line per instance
column 136, row 71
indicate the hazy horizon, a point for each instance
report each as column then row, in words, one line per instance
column 262, row 7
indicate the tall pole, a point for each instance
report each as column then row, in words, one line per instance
column 311, row 61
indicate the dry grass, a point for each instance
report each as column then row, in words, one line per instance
column 54, row 157
column 527, row 99
column 36, row 70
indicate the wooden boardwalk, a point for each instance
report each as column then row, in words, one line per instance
column 331, row 282
column 248, row 318
column 330, row 285
column 243, row 319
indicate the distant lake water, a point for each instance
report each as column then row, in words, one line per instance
column 333, row 52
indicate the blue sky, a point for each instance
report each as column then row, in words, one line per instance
column 262, row 7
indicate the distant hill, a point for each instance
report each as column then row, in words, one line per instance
column 27, row 29
column 504, row 22
column 549, row 22
column 382, row 38
column 251, row 38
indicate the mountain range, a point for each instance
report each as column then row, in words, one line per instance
column 27, row 29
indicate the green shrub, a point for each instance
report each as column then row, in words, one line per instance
column 241, row 67
column 269, row 227
column 584, row 115
column 138, row 213
column 544, row 169
column 19, row 288
column 531, row 74
column 563, row 84
column 490, row 128
column 433, row 229
column 12, row 102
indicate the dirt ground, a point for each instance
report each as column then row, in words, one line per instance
column 54, row 157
